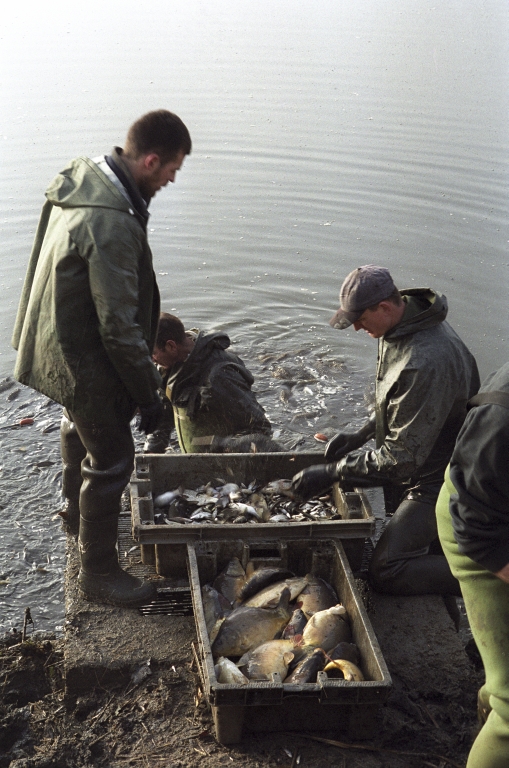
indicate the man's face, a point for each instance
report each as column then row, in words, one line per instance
column 168, row 355
column 157, row 175
column 376, row 322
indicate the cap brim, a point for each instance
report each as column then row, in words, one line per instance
column 341, row 319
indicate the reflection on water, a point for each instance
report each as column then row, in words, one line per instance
column 325, row 135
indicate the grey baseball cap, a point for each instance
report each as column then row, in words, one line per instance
column 362, row 288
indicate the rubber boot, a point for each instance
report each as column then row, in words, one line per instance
column 106, row 470
column 73, row 452
column 101, row 579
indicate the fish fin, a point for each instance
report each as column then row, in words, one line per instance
column 288, row 657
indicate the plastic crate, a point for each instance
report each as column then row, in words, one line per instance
column 164, row 545
column 329, row 704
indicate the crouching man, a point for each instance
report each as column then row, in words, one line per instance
column 425, row 376
column 207, row 395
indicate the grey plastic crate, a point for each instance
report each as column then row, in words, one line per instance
column 329, row 704
column 164, row 546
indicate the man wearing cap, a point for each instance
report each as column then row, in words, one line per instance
column 425, row 376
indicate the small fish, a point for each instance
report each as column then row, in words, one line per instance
column 228, row 672
column 259, row 503
column 246, row 628
column 230, row 581
column 343, row 668
column 282, row 518
column 267, row 658
column 283, row 487
column 326, row 629
column 308, row 668
column 201, row 515
column 246, row 509
column 165, row 499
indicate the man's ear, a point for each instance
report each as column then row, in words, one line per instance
column 151, row 162
column 171, row 346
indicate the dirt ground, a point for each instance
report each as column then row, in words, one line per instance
column 162, row 720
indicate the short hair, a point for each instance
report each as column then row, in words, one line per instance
column 160, row 132
column 394, row 297
column 170, row 328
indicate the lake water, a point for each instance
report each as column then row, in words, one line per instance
column 326, row 134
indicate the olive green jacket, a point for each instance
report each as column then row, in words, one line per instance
column 425, row 376
column 89, row 309
column 211, row 396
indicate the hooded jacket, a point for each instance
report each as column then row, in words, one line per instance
column 425, row 376
column 479, row 472
column 89, row 309
column 211, row 395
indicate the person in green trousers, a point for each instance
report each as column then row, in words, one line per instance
column 473, row 526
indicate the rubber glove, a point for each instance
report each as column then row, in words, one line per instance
column 151, row 415
column 311, row 481
column 344, row 442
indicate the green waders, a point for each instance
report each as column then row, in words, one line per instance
column 487, row 604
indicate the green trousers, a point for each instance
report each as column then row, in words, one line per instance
column 487, row 604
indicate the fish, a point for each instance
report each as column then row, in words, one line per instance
column 246, row 509
column 316, row 596
column 296, row 624
column 308, row 668
column 347, row 651
column 165, row 499
column 326, row 629
column 247, row 627
column 262, row 578
column 283, row 487
column 230, row 581
column 270, row 595
column 267, row 658
column 228, row 672
column 214, row 605
column 259, row 503
column 343, row 668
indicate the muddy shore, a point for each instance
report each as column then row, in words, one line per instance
column 157, row 715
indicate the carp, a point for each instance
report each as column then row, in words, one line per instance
column 262, row 578
column 248, row 627
column 347, row 651
column 231, row 580
column 272, row 656
column 228, row 672
column 343, row 668
column 296, row 624
column 308, row 668
column 326, row 629
column 317, row 596
column 269, row 596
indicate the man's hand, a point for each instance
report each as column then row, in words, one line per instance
column 341, row 444
column 313, row 480
column 151, row 415
column 503, row 574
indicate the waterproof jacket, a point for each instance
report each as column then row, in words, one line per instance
column 211, row 395
column 479, row 472
column 89, row 309
column 425, row 376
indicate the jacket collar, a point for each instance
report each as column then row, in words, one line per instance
column 121, row 170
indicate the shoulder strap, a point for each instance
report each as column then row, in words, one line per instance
column 489, row 398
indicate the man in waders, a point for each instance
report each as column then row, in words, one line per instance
column 85, row 331
column 207, row 395
column 425, row 376
column 473, row 524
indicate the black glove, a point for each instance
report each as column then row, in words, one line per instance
column 151, row 415
column 313, row 480
column 339, row 445
column 344, row 442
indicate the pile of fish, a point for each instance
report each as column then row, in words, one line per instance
column 275, row 623
column 221, row 502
